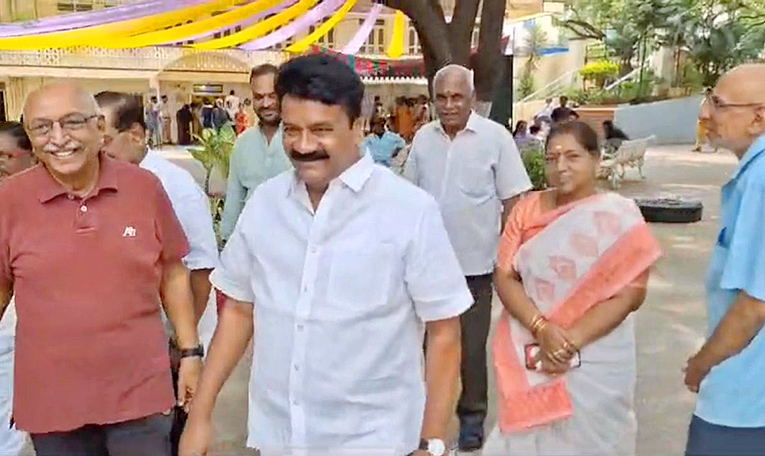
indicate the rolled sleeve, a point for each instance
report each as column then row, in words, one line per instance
column 194, row 215
column 511, row 176
column 232, row 276
column 170, row 233
column 433, row 275
column 745, row 263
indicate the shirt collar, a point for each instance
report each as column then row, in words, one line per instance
column 355, row 177
column 472, row 124
column 754, row 151
column 107, row 179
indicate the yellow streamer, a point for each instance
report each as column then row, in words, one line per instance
column 188, row 31
column 396, row 48
column 102, row 34
column 303, row 45
column 259, row 29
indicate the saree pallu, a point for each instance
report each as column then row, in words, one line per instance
column 571, row 259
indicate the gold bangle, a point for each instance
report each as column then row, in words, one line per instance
column 537, row 323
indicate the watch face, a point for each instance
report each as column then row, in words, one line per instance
column 436, row 447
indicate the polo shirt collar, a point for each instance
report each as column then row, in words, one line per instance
column 107, row 179
column 472, row 124
column 355, row 177
column 755, row 150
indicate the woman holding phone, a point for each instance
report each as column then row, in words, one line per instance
column 572, row 268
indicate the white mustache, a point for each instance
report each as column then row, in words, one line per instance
column 68, row 147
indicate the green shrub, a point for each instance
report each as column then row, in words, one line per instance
column 534, row 161
column 600, row 72
column 525, row 86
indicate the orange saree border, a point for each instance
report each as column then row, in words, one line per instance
column 522, row 406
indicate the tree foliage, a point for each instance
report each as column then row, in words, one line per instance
column 716, row 34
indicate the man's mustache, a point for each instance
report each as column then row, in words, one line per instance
column 313, row 156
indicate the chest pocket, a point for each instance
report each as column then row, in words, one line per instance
column 360, row 278
column 475, row 177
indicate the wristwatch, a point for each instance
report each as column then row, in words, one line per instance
column 436, row 447
column 199, row 351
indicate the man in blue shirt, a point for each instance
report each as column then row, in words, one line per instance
column 728, row 373
column 382, row 144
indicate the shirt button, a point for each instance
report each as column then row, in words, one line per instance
column 300, row 327
column 314, row 249
column 84, row 208
column 295, row 402
column 297, row 368
column 71, row 197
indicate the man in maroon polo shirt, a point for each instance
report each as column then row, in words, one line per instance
column 90, row 247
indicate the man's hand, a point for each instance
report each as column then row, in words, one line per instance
column 188, row 376
column 196, row 437
column 695, row 372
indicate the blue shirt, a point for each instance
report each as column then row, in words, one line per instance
column 383, row 147
column 733, row 394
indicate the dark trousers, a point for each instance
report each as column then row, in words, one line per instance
column 142, row 437
column 707, row 439
column 475, row 323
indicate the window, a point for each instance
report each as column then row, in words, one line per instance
column 326, row 41
column 414, row 42
column 474, row 37
column 67, row 6
column 375, row 43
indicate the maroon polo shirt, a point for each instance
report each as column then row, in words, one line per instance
column 86, row 273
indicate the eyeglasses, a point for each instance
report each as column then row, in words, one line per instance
column 716, row 102
column 70, row 123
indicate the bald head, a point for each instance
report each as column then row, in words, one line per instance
column 744, row 84
column 67, row 93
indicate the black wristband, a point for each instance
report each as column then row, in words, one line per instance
column 199, row 351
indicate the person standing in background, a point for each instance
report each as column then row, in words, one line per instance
column 472, row 167
column 259, row 152
column 242, row 121
column 15, row 156
column 232, row 104
column 382, row 144
column 184, row 118
column 167, row 120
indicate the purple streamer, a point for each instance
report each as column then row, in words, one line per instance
column 293, row 28
column 94, row 18
column 245, row 23
column 362, row 34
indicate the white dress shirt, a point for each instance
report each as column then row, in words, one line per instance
column 469, row 176
column 341, row 296
column 192, row 208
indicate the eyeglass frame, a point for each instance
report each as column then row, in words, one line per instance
column 86, row 119
column 715, row 103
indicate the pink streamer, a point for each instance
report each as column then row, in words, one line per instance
column 245, row 23
column 94, row 18
column 363, row 32
column 293, row 28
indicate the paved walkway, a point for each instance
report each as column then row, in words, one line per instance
column 670, row 325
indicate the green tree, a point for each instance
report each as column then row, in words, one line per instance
column 536, row 41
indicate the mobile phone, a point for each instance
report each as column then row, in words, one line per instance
column 531, row 350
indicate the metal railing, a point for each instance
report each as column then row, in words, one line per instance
column 554, row 87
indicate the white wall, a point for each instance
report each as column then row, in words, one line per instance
column 672, row 121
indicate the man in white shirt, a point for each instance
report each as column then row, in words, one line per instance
column 232, row 104
column 125, row 140
column 473, row 169
column 337, row 268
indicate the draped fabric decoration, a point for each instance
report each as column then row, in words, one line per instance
column 362, row 34
column 297, row 26
column 92, row 18
column 194, row 29
column 101, row 34
column 305, row 44
column 259, row 29
column 396, row 48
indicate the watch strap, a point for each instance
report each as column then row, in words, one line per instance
column 199, row 351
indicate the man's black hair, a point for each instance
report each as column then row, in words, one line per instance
column 128, row 108
column 16, row 130
column 324, row 79
column 261, row 70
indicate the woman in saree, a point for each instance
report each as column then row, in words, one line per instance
column 572, row 268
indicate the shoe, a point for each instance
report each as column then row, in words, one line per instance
column 471, row 437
